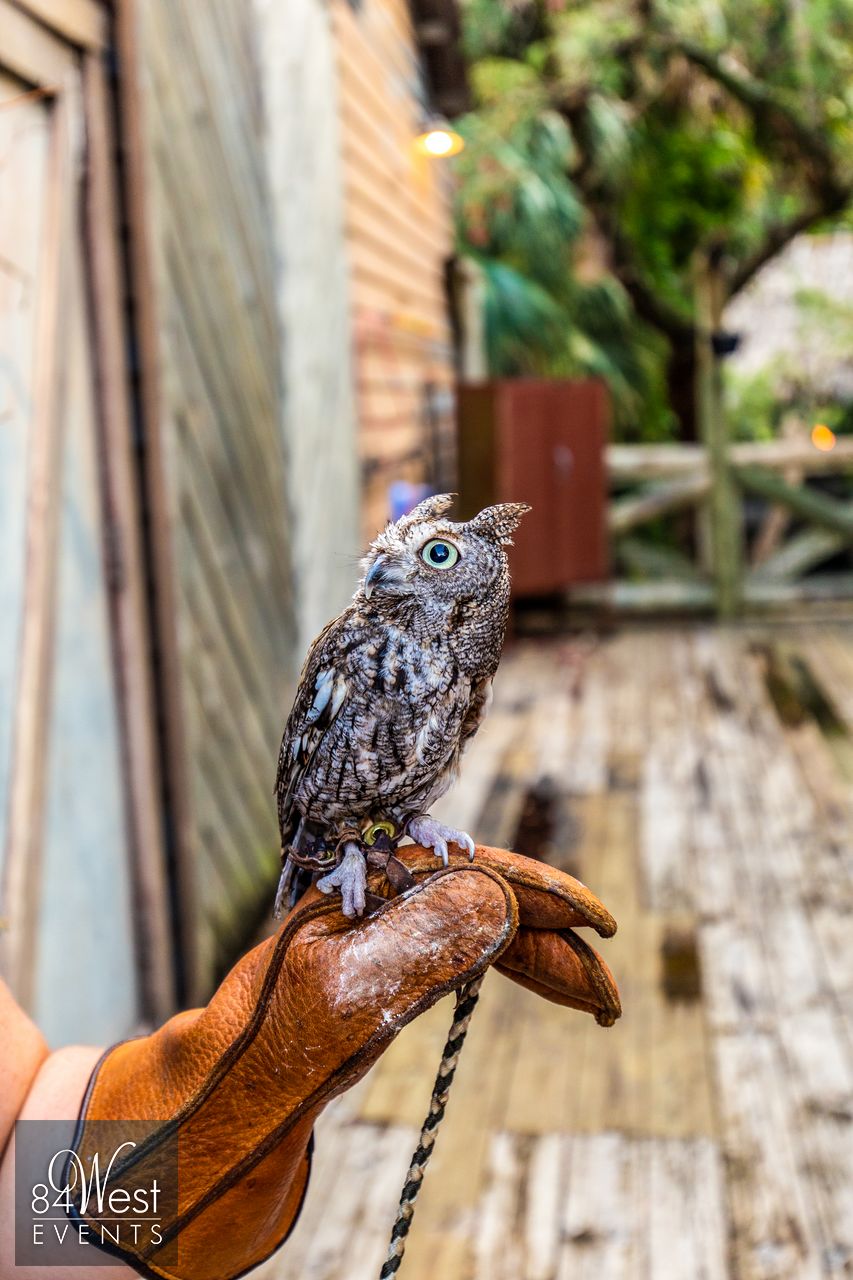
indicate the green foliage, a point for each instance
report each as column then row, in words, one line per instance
column 612, row 141
column 520, row 218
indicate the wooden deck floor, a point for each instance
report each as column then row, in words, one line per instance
column 701, row 782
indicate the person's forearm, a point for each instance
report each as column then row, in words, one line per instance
column 24, row 1051
column 55, row 1092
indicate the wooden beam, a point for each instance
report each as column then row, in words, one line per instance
column 779, row 455
column 814, row 590
column 677, row 596
column 23, row 853
column 655, row 461
column 655, row 561
column 657, row 500
column 799, row 555
column 667, row 461
column 816, row 507
column 29, row 51
column 130, row 627
column 81, row 22
column 724, row 513
column 666, row 595
column 159, row 540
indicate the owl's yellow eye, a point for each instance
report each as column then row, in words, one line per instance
column 438, row 553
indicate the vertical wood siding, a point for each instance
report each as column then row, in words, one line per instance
column 219, row 353
column 318, row 412
column 64, row 837
column 398, row 238
column 86, row 980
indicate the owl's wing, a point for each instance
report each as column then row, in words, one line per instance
column 481, row 700
column 322, row 690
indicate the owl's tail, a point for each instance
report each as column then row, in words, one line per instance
column 305, row 854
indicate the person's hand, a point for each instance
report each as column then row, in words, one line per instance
column 300, row 1019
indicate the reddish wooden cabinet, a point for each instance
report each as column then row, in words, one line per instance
column 543, row 442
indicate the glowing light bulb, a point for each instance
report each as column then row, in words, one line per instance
column 823, row 437
column 439, row 141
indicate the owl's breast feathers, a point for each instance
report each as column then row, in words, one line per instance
column 380, row 717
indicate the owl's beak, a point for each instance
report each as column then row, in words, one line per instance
column 382, row 573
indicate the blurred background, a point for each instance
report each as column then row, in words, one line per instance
column 269, row 273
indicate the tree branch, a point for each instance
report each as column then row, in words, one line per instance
column 779, row 123
column 781, row 233
column 775, row 118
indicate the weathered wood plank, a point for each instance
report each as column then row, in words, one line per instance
column 598, row 1240
column 654, row 561
column 32, row 53
column 686, row 1216
column 653, row 461
column 801, row 553
column 812, row 505
column 220, row 520
column 127, row 587
column 42, row 371
column 771, row 1213
column 662, row 498
column 571, row 1152
column 82, row 22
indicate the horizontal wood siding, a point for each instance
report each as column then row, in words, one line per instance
column 221, row 398
column 398, row 239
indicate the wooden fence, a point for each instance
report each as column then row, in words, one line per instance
column 798, row 530
column 799, row 527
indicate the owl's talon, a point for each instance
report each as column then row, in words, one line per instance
column 350, row 876
column 436, row 836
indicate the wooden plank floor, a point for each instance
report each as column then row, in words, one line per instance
column 701, row 782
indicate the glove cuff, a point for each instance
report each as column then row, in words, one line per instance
column 167, row 1155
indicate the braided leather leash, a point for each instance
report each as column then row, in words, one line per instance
column 466, row 1000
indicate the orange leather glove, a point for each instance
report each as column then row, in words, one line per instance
column 238, row 1085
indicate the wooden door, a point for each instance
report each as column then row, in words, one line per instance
column 85, row 943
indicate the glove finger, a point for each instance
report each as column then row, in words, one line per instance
column 547, row 898
column 563, row 968
column 377, row 973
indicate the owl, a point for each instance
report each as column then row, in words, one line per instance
column 391, row 692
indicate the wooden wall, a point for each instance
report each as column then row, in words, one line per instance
column 84, row 943
column 398, row 238
column 303, row 136
column 220, row 390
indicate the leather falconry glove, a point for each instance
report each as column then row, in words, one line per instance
column 230, row 1093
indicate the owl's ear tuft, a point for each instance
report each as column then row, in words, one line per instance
column 500, row 522
column 429, row 509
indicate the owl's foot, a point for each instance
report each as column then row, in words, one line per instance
column 350, row 876
column 436, row 836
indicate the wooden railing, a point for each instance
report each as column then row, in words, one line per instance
column 800, row 527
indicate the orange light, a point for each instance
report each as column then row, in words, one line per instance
column 823, row 437
column 439, row 142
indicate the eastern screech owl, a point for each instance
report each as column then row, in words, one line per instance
column 391, row 692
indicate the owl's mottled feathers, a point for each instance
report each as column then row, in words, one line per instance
column 395, row 686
